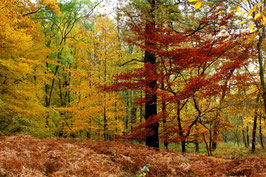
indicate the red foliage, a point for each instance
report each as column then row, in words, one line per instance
column 203, row 56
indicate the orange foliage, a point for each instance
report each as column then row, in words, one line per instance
column 26, row 156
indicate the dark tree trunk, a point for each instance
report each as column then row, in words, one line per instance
column 254, row 134
column 260, row 58
column 183, row 145
column 206, row 144
column 104, row 124
column 253, row 148
column 127, row 117
column 152, row 140
column 164, row 116
column 141, row 109
column 197, row 138
column 88, row 135
column 248, row 142
column 244, row 138
column 196, row 146
column 214, row 143
column 133, row 116
column 182, row 136
column 261, row 135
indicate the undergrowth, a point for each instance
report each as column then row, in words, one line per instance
column 27, row 156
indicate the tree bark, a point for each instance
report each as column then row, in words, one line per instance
column 253, row 148
column 244, row 138
column 152, row 139
column 164, row 117
column 183, row 145
column 261, row 135
column 141, row 109
column 196, row 146
column 248, row 136
column 260, row 58
column 180, row 130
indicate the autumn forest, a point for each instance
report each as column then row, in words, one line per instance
column 132, row 88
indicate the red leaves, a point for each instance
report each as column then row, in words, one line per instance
column 193, row 61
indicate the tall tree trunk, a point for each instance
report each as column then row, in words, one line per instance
column 88, row 135
column 254, row 134
column 133, row 116
column 255, row 126
column 260, row 58
column 104, row 124
column 141, row 109
column 164, row 117
column 214, row 143
column 248, row 142
column 244, row 138
column 196, row 146
column 183, row 146
column 243, row 134
column 206, row 144
column 127, row 116
column 261, row 135
column 152, row 140
column 180, row 130
column 47, row 98
column 105, row 130
column 196, row 139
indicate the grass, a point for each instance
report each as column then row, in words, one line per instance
column 228, row 150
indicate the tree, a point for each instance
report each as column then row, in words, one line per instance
column 255, row 17
column 21, row 58
column 188, row 61
column 96, row 52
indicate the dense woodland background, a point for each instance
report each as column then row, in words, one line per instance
column 185, row 74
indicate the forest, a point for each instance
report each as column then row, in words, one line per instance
column 132, row 88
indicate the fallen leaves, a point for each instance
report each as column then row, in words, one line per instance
column 27, row 156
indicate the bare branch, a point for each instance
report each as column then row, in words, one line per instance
column 131, row 61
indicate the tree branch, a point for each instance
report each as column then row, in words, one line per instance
column 130, row 62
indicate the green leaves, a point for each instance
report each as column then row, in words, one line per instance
column 66, row 56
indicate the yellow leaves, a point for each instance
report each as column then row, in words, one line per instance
column 22, row 50
column 198, row 5
column 251, row 28
column 259, row 4
column 223, row 26
column 257, row 16
column 237, row 9
column 250, row 12
column 242, row 22
column 221, row 11
column 92, row 107
column 51, row 4
column 263, row 20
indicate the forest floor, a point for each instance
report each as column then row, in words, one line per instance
column 27, row 156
